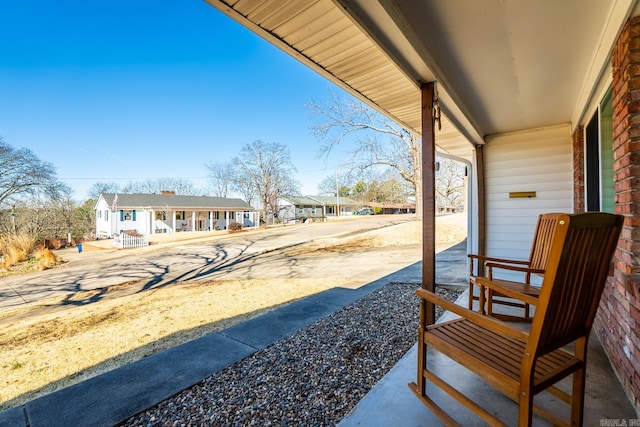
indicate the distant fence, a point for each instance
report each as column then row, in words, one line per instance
column 124, row 241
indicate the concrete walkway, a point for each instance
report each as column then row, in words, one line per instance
column 115, row 396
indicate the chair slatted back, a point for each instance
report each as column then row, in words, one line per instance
column 576, row 274
column 542, row 239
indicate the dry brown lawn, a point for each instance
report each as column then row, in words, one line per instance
column 45, row 350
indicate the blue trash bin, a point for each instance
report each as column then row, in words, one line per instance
column 79, row 245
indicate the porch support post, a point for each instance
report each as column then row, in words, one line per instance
column 173, row 222
column 193, row 220
column 428, row 198
column 482, row 226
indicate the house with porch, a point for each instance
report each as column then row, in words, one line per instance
column 169, row 213
column 344, row 206
column 315, row 208
column 538, row 99
column 392, row 208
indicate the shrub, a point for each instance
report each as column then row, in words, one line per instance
column 235, row 226
column 53, row 243
column 45, row 258
column 15, row 248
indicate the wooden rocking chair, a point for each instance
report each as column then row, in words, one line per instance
column 521, row 364
column 523, row 293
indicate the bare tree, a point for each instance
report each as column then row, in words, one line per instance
column 63, row 207
column 23, row 173
column 379, row 141
column 450, row 183
column 38, row 218
column 221, row 177
column 49, row 216
column 43, row 217
column 266, row 167
column 327, row 186
column 103, row 187
column 336, row 183
column 244, row 186
column 181, row 186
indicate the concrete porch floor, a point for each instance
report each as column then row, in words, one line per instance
column 392, row 403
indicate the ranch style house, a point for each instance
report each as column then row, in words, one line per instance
column 169, row 213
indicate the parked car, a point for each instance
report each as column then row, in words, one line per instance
column 365, row 211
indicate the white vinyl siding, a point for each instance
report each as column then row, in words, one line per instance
column 102, row 221
column 537, row 161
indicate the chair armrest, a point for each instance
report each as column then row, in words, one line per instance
column 478, row 269
column 500, row 260
column 484, row 321
column 521, row 291
column 515, row 268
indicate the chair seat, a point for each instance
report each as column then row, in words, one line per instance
column 493, row 356
column 523, row 288
column 521, row 291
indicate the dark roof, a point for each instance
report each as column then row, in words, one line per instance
column 160, row 201
column 331, row 200
column 301, row 200
column 319, row 200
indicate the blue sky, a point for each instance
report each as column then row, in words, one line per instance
column 125, row 90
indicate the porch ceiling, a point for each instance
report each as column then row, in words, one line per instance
column 501, row 65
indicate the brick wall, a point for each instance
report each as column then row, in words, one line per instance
column 618, row 320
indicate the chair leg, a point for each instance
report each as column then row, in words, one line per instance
column 421, row 387
column 470, row 296
column 525, row 410
column 577, row 397
column 579, row 378
column 488, row 303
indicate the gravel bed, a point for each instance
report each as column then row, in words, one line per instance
column 311, row 378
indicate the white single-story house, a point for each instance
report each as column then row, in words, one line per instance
column 169, row 213
column 295, row 208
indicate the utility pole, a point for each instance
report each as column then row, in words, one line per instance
column 337, row 196
column 13, row 218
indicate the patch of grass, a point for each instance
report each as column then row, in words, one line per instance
column 45, row 352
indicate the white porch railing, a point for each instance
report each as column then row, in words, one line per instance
column 124, row 241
